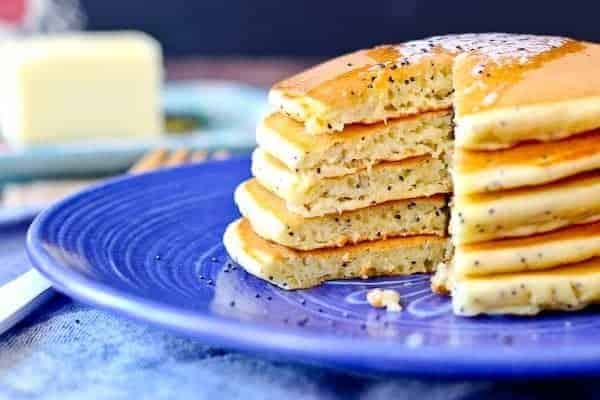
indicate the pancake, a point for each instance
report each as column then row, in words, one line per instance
column 565, row 246
column 271, row 219
column 415, row 177
column 569, row 287
column 359, row 146
column 294, row 269
column 526, row 164
column 526, row 211
column 547, row 91
column 366, row 86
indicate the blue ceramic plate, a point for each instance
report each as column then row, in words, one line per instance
column 149, row 247
column 228, row 112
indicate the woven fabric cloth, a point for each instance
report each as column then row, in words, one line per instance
column 67, row 350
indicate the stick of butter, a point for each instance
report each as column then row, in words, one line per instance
column 83, row 86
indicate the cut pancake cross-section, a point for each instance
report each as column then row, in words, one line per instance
column 414, row 177
column 271, row 219
column 294, row 269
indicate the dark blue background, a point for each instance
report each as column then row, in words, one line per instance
column 322, row 27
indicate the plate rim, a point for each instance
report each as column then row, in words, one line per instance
column 367, row 355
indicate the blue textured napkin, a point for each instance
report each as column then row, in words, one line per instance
column 67, row 350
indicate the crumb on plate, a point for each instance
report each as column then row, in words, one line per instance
column 388, row 298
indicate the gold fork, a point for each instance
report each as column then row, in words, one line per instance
column 162, row 158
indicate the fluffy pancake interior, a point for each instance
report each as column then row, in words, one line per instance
column 359, row 146
column 271, row 219
column 415, row 177
column 294, row 269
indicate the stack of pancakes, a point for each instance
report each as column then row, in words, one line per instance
column 351, row 171
column 526, row 179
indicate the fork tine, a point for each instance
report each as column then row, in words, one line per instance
column 178, row 157
column 221, row 154
column 199, row 155
column 149, row 161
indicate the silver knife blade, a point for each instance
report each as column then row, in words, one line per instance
column 21, row 296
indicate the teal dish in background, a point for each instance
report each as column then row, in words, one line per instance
column 227, row 111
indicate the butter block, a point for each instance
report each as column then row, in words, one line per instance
column 86, row 86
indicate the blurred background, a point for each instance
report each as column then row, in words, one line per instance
column 305, row 30
column 317, row 28
column 220, row 57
